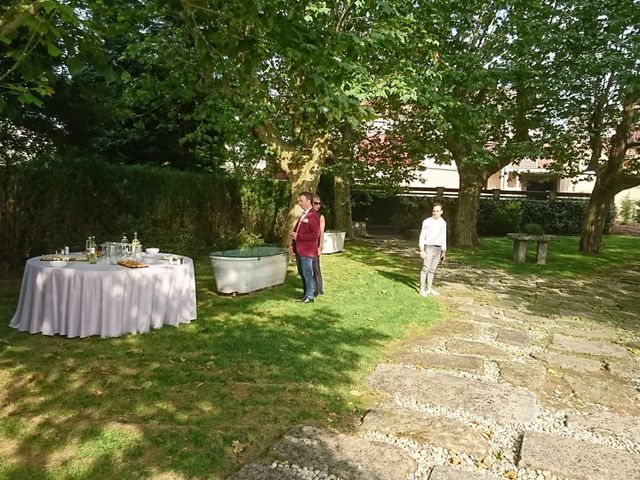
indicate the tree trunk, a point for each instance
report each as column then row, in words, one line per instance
column 304, row 176
column 342, row 204
column 612, row 177
column 465, row 232
column 303, row 171
column 595, row 216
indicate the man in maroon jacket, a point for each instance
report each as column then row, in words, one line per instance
column 304, row 243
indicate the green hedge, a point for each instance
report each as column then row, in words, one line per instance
column 45, row 205
column 495, row 217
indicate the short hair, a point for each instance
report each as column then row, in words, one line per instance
column 308, row 195
column 438, row 204
column 317, row 197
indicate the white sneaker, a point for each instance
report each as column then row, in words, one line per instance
column 424, row 293
column 433, row 292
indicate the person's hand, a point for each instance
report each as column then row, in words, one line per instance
column 443, row 257
column 290, row 249
column 423, row 254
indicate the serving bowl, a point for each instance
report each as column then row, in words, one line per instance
column 152, row 250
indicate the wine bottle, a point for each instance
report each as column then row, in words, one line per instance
column 93, row 257
column 136, row 247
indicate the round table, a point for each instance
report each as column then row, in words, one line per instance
column 80, row 299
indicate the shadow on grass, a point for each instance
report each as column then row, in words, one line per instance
column 563, row 257
column 410, row 280
column 174, row 401
column 602, row 287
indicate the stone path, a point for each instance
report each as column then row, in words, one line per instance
column 495, row 391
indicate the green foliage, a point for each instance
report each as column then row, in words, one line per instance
column 45, row 205
column 264, row 207
column 245, row 238
column 563, row 258
column 248, row 369
column 409, row 213
column 33, row 37
column 495, row 217
column 533, row 229
column 627, row 209
column 505, row 217
column 556, row 216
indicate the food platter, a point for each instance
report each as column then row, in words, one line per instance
column 64, row 258
column 131, row 264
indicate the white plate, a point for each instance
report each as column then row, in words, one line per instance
column 58, row 263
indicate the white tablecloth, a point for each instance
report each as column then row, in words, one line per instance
column 80, row 299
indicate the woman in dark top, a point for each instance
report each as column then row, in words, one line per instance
column 317, row 273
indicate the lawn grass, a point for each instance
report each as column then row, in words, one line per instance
column 563, row 258
column 175, row 402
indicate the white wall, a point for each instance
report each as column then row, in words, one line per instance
column 447, row 176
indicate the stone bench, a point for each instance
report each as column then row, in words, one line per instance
column 520, row 246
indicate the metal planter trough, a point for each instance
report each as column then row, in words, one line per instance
column 249, row 269
column 333, row 241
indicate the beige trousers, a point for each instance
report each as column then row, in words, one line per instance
column 429, row 266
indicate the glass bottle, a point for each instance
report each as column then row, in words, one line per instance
column 136, row 247
column 93, row 256
column 124, row 246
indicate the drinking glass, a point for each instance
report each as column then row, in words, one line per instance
column 113, row 253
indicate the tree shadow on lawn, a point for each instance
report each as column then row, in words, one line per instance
column 570, row 284
column 172, row 401
column 397, row 259
column 606, row 297
column 411, row 280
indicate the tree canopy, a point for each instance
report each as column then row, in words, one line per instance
column 210, row 85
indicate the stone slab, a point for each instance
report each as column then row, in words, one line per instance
column 427, row 429
column 475, row 348
column 507, row 299
column 260, row 471
column 481, row 310
column 561, row 361
column 499, row 322
column 528, row 318
column 519, row 338
column 454, row 328
column 585, row 333
column 430, row 342
column 606, row 424
column 629, row 370
column 575, row 459
column 441, row 361
column 342, row 455
column 443, row 472
column 591, row 347
column 602, row 389
column 500, row 402
column 529, row 375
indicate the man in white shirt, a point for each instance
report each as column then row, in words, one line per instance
column 433, row 247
